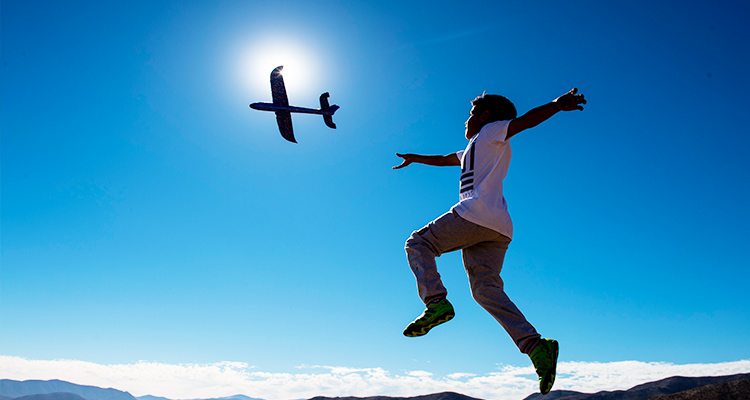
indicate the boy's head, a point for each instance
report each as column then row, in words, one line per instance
column 488, row 108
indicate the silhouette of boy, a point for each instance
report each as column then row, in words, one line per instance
column 479, row 225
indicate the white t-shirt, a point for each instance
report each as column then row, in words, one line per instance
column 484, row 165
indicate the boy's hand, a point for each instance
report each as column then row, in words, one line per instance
column 408, row 159
column 437, row 161
column 570, row 101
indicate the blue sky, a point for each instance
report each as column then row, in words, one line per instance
column 149, row 214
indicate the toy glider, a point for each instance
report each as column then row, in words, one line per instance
column 283, row 110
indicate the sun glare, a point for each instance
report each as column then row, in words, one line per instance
column 299, row 67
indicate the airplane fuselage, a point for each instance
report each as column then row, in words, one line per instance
column 277, row 107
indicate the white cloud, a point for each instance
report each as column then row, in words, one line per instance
column 189, row 381
column 460, row 375
column 419, row 374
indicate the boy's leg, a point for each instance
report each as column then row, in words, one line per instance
column 447, row 233
column 483, row 263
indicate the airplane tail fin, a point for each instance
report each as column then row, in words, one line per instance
column 328, row 116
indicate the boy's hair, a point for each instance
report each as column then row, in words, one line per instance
column 501, row 109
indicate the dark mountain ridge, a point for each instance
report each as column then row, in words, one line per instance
column 718, row 391
column 668, row 386
column 730, row 387
column 435, row 396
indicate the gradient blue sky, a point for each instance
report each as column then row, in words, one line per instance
column 149, row 214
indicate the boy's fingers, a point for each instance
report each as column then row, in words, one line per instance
column 404, row 162
column 581, row 101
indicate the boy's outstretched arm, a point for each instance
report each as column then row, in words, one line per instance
column 568, row 102
column 438, row 161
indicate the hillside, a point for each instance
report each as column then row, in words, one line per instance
column 15, row 389
column 645, row 391
column 730, row 387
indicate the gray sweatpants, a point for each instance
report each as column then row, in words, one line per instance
column 483, row 254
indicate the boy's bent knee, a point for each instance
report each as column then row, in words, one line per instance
column 417, row 243
column 414, row 239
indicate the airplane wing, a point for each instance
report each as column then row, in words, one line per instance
column 284, row 119
column 278, row 90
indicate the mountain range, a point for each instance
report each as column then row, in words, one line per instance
column 656, row 390
column 730, row 387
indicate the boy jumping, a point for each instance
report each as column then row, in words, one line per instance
column 480, row 226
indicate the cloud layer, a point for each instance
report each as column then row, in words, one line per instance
column 190, row 381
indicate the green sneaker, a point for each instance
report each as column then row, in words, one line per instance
column 434, row 315
column 544, row 357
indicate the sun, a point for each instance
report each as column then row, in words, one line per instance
column 300, row 66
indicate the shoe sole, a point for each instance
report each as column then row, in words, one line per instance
column 427, row 328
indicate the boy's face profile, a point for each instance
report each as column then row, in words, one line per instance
column 475, row 122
